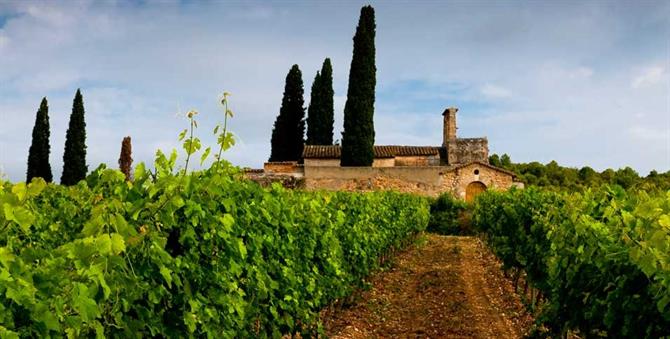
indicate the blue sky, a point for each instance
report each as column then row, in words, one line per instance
column 583, row 83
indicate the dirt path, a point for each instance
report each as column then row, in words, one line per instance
column 445, row 287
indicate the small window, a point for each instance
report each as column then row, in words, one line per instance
column 476, row 172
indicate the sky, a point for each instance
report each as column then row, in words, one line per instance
column 585, row 83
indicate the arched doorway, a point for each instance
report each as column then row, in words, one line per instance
column 473, row 189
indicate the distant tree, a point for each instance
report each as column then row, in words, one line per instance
column 505, row 161
column 38, row 154
column 320, row 114
column 626, row 177
column 608, row 176
column 358, row 137
column 589, row 177
column 125, row 159
column 555, row 176
column 312, row 115
column 289, row 129
column 74, row 157
column 494, row 160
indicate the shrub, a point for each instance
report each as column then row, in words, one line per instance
column 448, row 216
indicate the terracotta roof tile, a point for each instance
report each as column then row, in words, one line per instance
column 382, row 151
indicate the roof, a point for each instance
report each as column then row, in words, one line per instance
column 390, row 151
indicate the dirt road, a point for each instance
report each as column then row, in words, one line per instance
column 443, row 287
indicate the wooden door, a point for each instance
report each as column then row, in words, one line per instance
column 473, row 189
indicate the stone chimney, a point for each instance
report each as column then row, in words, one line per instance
column 449, row 128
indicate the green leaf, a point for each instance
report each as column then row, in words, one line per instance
column 241, row 248
column 36, row 187
column 104, row 244
column 19, row 190
column 182, row 135
column 83, row 304
column 7, row 334
column 228, row 221
column 663, row 302
column 166, row 273
column 204, row 155
column 118, row 244
column 191, row 145
column 664, row 220
column 6, row 256
column 99, row 330
column 190, row 321
column 19, row 215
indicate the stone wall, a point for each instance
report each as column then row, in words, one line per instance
column 457, row 180
column 424, row 180
column 321, row 162
column 383, row 162
column 379, row 162
column 423, row 160
column 465, row 150
column 287, row 167
column 265, row 180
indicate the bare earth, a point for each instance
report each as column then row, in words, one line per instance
column 444, row 287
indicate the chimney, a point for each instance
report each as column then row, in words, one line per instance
column 449, row 128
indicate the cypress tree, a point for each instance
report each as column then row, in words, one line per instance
column 289, row 128
column 320, row 114
column 38, row 154
column 125, row 159
column 74, row 157
column 358, row 137
column 312, row 115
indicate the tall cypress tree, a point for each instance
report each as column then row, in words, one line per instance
column 313, row 123
column 358, row 138
column 74, row 157
column 289, row 128
column 38, row 155
column 320, row 114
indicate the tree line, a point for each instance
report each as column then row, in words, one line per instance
column 288, row 134
column 552, row 175
column 74, row 156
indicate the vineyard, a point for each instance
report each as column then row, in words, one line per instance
column 598, row 262
column 205, row 253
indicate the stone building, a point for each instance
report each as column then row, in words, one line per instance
column 459, row 166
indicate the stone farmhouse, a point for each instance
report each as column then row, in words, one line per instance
column 459, row 166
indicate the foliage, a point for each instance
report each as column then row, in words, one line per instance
column 558, row 177
column 446, row 215
column 601, row 258
column 225, row 139
column 289, row 128
column 187, row 254
column 74, row 157
column 320, row 114
column 125, row 159
column 222, row 256
column 358, row 137
column 38, row 155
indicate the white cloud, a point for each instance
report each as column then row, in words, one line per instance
column 496, row 92
column 649, row 76
column 646, row 133
column 581, row 73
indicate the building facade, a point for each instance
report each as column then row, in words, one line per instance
column 459, row 166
